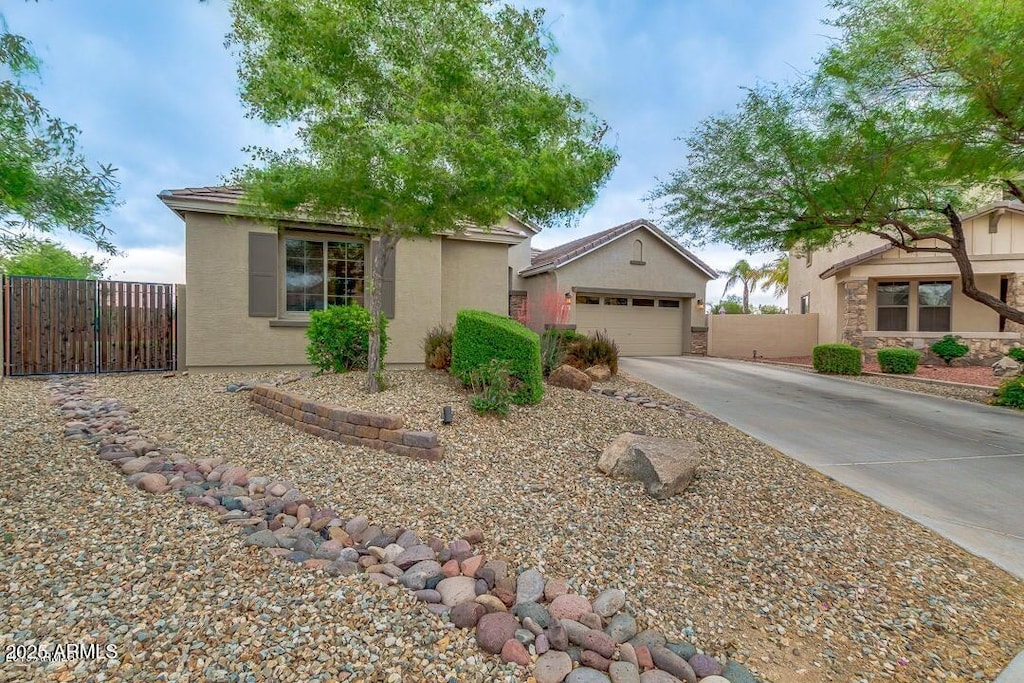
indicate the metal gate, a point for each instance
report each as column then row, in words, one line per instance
column 60, row 326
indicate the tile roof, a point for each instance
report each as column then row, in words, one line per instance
column 228, row 197
column 570, row 251
column 854, row 260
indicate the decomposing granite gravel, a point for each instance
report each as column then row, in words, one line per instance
column 761, row 560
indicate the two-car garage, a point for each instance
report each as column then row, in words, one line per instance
column 641, row 324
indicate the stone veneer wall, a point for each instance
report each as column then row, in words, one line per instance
column 855, row 311
column 352, row 427
column 517, row 302
column 1015, row 298
column 983, row 351
column 699, row 341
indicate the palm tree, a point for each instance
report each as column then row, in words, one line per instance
column 776, row 276
column 746, row 274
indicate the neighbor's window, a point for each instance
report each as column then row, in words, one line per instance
column 616, row 301
column 805, row 304
column 892, row 301
column 323, row 272
column 587, row 299
column 934, row 303
column 668, row 303
column 643, row 302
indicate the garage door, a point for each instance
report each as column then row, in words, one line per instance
column 641, row 326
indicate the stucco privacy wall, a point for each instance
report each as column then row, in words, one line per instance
column 772, row 336
column 220, row 332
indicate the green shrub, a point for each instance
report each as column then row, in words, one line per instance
column 899, row 361
column 949, row 348
column 339, row 338
column 491, row 388
column 1016, row 353
column 837, row 359
column 552, row 351
column 1010, row 393
column 437, row 347
column 597, row 349
column 480, row 336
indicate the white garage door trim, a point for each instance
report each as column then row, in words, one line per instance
column 653, row 328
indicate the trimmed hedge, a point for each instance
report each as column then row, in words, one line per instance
column 949, row 348
column 899, row 361
column 339, row 338
column 837, row 359
column 480, row 337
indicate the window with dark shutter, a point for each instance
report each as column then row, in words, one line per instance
column 263, row 274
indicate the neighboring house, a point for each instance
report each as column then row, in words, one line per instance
column 872, row 295
column 633, row 281
column 250, row 285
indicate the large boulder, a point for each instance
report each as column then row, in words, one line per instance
column 1006, row 367
column 665, row 466
column 570, row 378
column 599, row 373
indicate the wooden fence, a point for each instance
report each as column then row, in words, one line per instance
column 60, row 326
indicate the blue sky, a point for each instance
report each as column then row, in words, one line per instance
column 155, row 93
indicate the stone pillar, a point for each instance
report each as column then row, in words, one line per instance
column 699, row 341
column 855, row 311
column 517, row 306
column 1015, row 298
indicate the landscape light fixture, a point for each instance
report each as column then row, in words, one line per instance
column 446, row 415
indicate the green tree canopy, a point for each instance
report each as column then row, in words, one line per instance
column 49, row 259
column 46, row 184
column 413, row 118
column 914, row 116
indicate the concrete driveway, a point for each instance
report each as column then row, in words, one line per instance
column 956, row 467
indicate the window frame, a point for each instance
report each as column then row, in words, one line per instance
column 324, row 239
column 633, row 302
column 580, row 300
column 669, row 303
column 948, row 307
column 619, row 301
column 904, row 307
column 805, row 304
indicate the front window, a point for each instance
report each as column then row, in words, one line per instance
column 934, row 303
column 893, row 301
column 805, row 304
column 323, row 273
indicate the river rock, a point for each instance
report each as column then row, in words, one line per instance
column 495, row 629
column 609, row 602
column 458, row 589
column 552, row 667
column 569, row 606
column 664, row 466
column 529, row 586
column 669, row 661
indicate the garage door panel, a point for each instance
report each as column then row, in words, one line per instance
column 638, row 330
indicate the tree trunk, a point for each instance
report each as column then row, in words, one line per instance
column 968, row 285
column 746, row 298
column 382, row 252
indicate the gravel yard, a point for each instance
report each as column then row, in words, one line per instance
column 761, row 558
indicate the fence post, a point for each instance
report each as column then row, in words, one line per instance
column 3, row 327
column 179, row 322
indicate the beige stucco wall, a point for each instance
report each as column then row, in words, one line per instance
column 609, row 267
column 220, row 333
column 475, row 275
column 772, row 336
column 993, row 254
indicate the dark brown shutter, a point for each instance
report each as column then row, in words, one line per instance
column 387, row 291
column 262, row 274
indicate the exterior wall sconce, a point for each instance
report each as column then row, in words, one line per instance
column 700, row 305
column 568, row 298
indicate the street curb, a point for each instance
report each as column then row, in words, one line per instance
column 1014, row 671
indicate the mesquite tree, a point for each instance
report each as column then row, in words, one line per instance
column 914, row 116
column 414, row 117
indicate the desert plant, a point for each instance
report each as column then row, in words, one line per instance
column 1016, row 353
column 437, row 347
column 339, row 338
column 899, row 361
column 837, row 359
column 480, row 336
column 552, row 351
column 1010, row 393
column 491, row 388
column 949, row 348
column 596, row 349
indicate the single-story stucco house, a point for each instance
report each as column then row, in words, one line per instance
column 872, row 295
column 250, row 285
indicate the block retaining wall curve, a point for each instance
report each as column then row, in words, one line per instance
column 347, row 425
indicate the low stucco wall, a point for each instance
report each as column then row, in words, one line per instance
column 772, row 336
